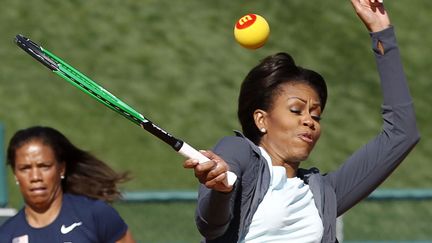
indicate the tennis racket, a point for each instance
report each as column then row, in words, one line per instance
column 85, row 84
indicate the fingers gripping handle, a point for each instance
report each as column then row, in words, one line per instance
column 189, row 152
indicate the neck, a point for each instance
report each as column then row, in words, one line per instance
column 41, row 216
column 290, row 167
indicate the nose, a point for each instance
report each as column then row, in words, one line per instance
column 35, row 175
column 308, row 121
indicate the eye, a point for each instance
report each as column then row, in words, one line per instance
column 316, row 118
column 315, row 113
column 24, row 168
column 296, row 111
column 45, row 166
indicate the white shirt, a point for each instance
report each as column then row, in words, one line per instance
column 287, row 213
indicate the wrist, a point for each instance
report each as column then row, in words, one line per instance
column 378, row 28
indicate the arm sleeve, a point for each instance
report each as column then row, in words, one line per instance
column 214, row 210
column 109, row 225
column 369, row 166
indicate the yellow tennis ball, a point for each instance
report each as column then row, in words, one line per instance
column 251, row 31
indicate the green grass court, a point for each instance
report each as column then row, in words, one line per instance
column 177, row 63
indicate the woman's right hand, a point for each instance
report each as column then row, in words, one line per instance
column 212, row 173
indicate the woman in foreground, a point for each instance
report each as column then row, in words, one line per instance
column 280, row 105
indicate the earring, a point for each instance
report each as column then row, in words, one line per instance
column 62, row 177
column 17, row 182
column 263, row 130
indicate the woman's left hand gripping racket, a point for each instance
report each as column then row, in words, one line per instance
column 96, row 91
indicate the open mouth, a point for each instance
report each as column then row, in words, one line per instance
column 306, row 137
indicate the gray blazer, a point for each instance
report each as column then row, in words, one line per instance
column 225, row 217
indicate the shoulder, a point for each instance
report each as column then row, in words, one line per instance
column 232, row 140
column 14, row 220
column 78, row 200
column 84, row 203
column 95, row 207
column 237, row 144
column 238, row 151
column 8, row 228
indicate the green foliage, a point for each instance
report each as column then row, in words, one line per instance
column 177, row 63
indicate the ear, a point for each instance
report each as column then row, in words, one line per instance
column 260, row 118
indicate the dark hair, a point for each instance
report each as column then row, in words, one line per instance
column 85, row 174
column 262, row 83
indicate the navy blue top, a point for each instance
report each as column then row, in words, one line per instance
column 81, row 220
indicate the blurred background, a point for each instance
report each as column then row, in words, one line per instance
column 178, row 64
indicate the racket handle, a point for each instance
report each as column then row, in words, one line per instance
column 189, row 152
